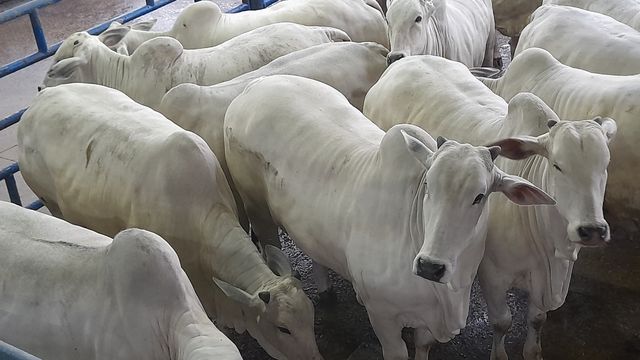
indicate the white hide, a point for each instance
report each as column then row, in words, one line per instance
column 161, row 63
column 534, row 247
column 578, row 94
column 351, row 68
column 460, row 30
column 70, row 293
column 100, row 160
column 584, row 40
column 624, row 11
column 356, row 200
column 203, row 24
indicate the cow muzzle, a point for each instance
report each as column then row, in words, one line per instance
column 430, row 269
column 394, row 56
column 593, row 235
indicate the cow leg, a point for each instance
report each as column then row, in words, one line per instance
column 492, row 56
column 495, row 293
column 264, row 229
column 513, row 42
column 389, row 333
column 321, row 277
column 535, row 321
column 423, row 341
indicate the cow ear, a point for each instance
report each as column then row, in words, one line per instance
column 144, row 25
column 277, row 261
column 521, row 147
column 238, row 295
column 519, row 190
column 419, row 150
column 63, row 69
column 114, row 35
column 609, row 127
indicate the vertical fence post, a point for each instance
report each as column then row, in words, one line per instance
column 41, row 41
column 12, row 189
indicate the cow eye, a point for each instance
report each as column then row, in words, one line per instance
column 284, row 330
column 478, row 199
column 557, row 167
column 418, row 19
column 76, row 42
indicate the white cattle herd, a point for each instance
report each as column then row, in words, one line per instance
column 161, row 153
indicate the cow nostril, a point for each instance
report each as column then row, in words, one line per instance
column 583, row 232
column 430, row 271
column 602, row 230
column 39, row 88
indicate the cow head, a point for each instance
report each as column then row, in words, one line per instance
column 458, row 180
column 577, row 156
column 407, row 20
column 72, row 61
column 283, row 312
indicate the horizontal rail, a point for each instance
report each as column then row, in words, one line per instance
column 252, row 5
column 24, row 9
column 9, row 352
column 45, row 51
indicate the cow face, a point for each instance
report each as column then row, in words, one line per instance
column 407, row 20
column 458, row 180
column 72, row 61
column 577, row 156
column 284, row 313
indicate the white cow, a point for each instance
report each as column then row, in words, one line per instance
column 351, row 68
column 203, row 24
column 377, row 208
column 531, row 248
column 162, row 63
column 625, row 11
column 460, row 30
column 575, row 94
column 584, row 40
column 70, row 293
column 100, row 160
column 511, row 16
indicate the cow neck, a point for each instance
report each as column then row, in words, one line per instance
column 548, row 228
column 437, row 32
column 110, row 68
column 229, row 254
column 192, row 335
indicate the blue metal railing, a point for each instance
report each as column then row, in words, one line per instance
column 8, row 352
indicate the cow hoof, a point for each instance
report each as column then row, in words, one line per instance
column 296, row 274
column 327, row 297
column 497, row 63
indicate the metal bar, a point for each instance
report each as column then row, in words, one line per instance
column 35, row 206
column 41, row 41
column 9, row 352
column 11, row 119
column 9, row 170
column 256, row 4
column 12, row 189
column 33, row 58
column 246, row 6
column 24, row 9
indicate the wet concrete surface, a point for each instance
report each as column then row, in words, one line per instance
column 599, row 321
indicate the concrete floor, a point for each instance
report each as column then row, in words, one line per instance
column 599, row 321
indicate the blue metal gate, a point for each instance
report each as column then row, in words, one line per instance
column 7, row 352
